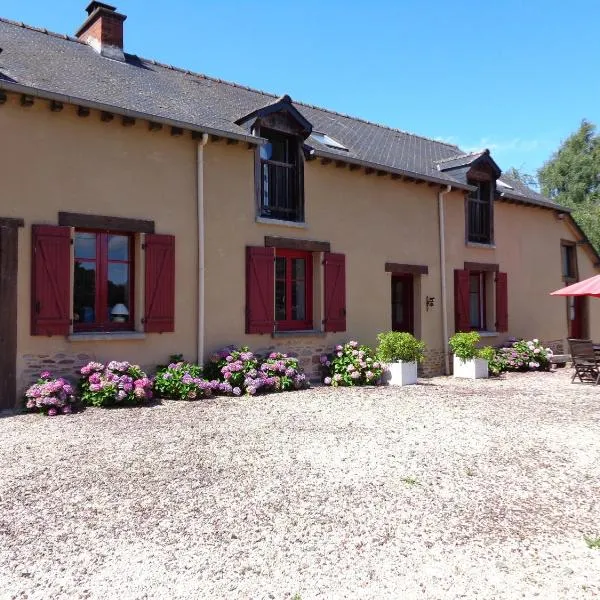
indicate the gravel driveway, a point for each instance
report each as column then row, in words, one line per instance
column 448, row 489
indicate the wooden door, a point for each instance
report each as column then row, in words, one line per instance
column 403, row 303
column 577, row 317
column 8, row 316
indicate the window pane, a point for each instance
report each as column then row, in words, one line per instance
column 280, row 300
column 280, row 267
column 298, row 268
column 85, row 245
column 299, row 301
column 118, row 293
column 474, row 301
column 118, row 247
column 84, row 292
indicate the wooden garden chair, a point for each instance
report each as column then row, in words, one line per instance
column 585, row 361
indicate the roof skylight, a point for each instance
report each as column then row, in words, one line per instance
column 504, row 184
column 326, row 140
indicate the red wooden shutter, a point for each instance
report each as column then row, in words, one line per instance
column 159, row 308
column 51, row 280
column 260, row 290
column 501, row 302
column 461, row 300
column 335, row 292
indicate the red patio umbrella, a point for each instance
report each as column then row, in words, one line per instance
column 587, row 287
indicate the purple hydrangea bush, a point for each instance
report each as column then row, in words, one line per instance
column 117, row 383
column 51, row 396
column 240, row 371
column 181, row 380
column 351, row 364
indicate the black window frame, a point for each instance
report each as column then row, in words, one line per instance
column 279, row 186
column 480, row 213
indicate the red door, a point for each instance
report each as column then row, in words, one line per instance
column 402, row 303
column 577, row 306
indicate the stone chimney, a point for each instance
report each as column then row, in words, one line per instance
column 103, row 30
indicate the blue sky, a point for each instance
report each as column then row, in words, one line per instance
column 516, row 76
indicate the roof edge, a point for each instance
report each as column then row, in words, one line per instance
column 125, row 112
column 392, row 170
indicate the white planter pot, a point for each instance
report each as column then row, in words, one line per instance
column 401, row 373
column 475, row 368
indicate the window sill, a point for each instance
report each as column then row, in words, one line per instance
column 486, row 334
column 106, row 336
column 301, row 333
column 478, row 245
column 267, row 221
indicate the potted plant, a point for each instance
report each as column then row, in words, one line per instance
column 401, row 352
column 467, row 357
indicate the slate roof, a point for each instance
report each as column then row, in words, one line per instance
column 60, row 67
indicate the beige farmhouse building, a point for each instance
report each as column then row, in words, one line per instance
column 147, row 210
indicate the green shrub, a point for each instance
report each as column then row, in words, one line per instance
column 181, row 380
column 494, row 360
column 395, row 346
column 464, row 345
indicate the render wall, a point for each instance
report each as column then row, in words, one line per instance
column 51, row 162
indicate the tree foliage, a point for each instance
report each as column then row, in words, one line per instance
column 571, row 177
column 522, row 176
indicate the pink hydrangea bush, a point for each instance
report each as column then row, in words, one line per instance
column 117, row 383
column 282, row 373
column 350, row 365
column 51, row 396
column 240, row 371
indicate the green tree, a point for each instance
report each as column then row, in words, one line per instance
column 571, row 177
column 518, row 174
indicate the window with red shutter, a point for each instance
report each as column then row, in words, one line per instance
column 159, row 307
column 260, row 286
column 51, row 280
column 501, row 302
column 103, row 275
column 335, row 292
column 293, row 290
column 461, row 300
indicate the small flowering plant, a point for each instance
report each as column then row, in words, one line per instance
column 117, row 383
column 351, row 364
column 181, row 380
column 51, row 396
column 525, row 355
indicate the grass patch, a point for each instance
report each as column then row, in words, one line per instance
column 410, row 480
column 592, row 542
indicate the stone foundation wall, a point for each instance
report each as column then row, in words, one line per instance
column 557, row 346
column 433, row 364
column 59, row 365
column 307, row 351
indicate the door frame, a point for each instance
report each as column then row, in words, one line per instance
column 9, row 261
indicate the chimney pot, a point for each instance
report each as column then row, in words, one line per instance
column 103, row 30
column 92, row 6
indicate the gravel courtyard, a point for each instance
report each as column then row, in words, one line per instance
column 448, row 489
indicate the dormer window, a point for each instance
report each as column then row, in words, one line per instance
column 480, row 213
column 279, row 166
column 280, row 194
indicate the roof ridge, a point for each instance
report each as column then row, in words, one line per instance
column 62, row 36
column 231, row 83
column 299, row 102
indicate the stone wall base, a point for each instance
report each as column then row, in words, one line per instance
column 433, row 364
column 59, row 365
